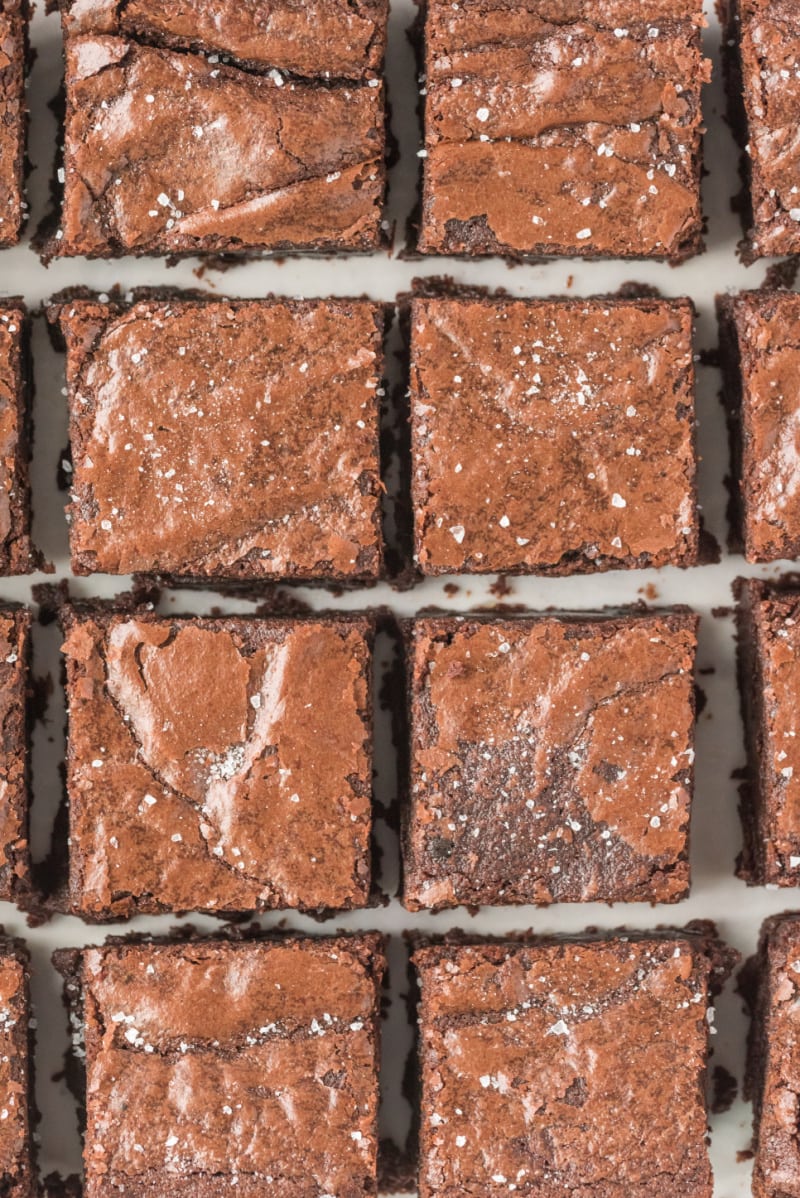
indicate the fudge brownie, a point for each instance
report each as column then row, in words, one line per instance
column 213, row 1066
column 551, row 759
column 14, row 15
column 552, row 436
column 257, row 797
column 17, row 555
column 553, row 129
column 216, row 127
column 17, row 1174
column 768, row 622
column 564, row 1067
column 225, row 438
column 774, row 1057
column 760, row 343
column 762, row 69
column 15, row 648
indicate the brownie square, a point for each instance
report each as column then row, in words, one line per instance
column 225, row 438
column 551, row 759
column 772, row 982
column 14, row 16
column 761, row 57
column 768, row 622
column 222, row 1067
column 17, row 1173
column 553, row 130
column 216, row 127
column 257, row 797
column 552, row 436
column 564, row 1067
column 759, row 338
column 17, row 555
column 15, row 649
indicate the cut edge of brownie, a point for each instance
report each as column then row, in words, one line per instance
column 18, row 555
column 679, row 616
column 15, row 873
column 21, row 168
column 23, row 1037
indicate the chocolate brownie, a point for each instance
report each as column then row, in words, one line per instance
column 564, row 1067
column 225, row 438
column 768, row 620
column 552, row 436
column 760, row 343
column 762, row 68
column 17, row 555
column 17, row 1173
column 774, row 1058
column 213, row 1066
column 562, row 129
column 15, row 648
column 257, row 797
column 216, row 127
column 14, row 16
column 551, row 759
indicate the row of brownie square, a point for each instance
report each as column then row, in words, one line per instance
column 240, row 439
column 544, row 133
column 542, row 758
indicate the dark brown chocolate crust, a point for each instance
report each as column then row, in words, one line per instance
column 14, row 52
column 15, row 715
column 572, row 132
column 198, row 494
column 760, row 353
column 537, row 745
column 259, row 800
column 768, row 653
column 17, row 553
column 235, row 139
column 272, row 1042
column 18, row 1113
column 771, row 985
column 548, row 1039
column 552, row 436
column 761, row 75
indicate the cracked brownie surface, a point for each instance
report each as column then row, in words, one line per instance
column 217, row 764
column 15, row 628
column 225, row 438
column 175, row 144
column 214, row 1065
column 570, row 1068
column 551, row 760
column 17, row 1174
column 562, row 129
column 552, row 437
column 13, row 117
column 17, row 554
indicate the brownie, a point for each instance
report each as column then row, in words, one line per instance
column 216, row 127
column 551, row 759
column 220, row 1067
column 774, row 1058
column 762, row 68
column 768, row 623
column 571, row 130
column 15, row 650
column 552, row 436
column 14, row 17
column 258, row 797
column 760, row 343
column 17, row 1173
column 17, row 555
column 225, row 438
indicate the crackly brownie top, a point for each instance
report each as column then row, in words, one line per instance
column 256, row 795
column 14, row 1072
column 11, row 383
column 168, row 150
column 12, row 106
column 253, row 1061
column 777, row 1164
column 225, row 437
column 530, row 1054
column 558, row 127
column 769, row 46
column 326, row 39
column 14, row 633
column 767, row 331
column 550, row 760
column 552, row 436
